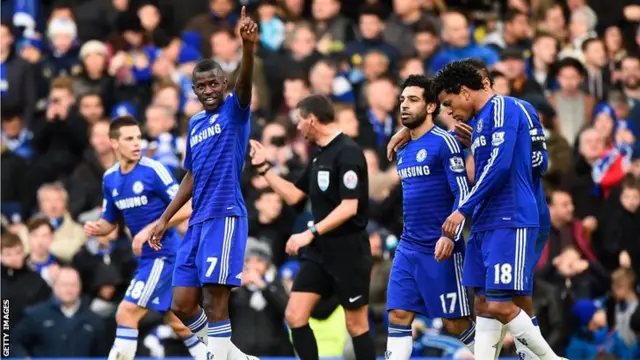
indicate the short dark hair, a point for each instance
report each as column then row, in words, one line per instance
column 511, row 14
column 589, row 41
column 495, row 74
column 9, row 241
column 631, row 182
column 298, row 76
column 373, row 10
column 37, row 222
column 205, row 65
column 541, row 34
column 421, row 81
column 454, row 75
column 425, row 26
column 570, row 62
column 86, row 95
column 120, row 122
column 10, row 112
column 481, row 66
column 317, row 105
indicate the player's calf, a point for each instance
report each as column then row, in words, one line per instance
column 196, row 348
column 125, row 344
column 518, row 323
column 526, row 304
column 464, row 328
column 399, row 338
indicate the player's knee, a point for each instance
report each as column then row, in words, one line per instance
column 183, row 309
column 129, row 314
column 401, row 317
column 357, row 321
column 480, row 306
column 525, row 303
column 504, row 311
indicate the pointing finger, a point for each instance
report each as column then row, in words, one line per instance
column 242, row 13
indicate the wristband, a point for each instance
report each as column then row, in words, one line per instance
column 314, row 231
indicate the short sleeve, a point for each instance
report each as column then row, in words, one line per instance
column 303, row 181
column 351, row 171
column 110, row 212
column 164, row 184
column 187, row 154
column 240, row 114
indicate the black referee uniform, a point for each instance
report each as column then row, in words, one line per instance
column 338, row 262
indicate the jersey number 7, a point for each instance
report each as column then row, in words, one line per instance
column 212, row 265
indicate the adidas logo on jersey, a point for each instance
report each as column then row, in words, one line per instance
column 114, row 193
column 156, row 301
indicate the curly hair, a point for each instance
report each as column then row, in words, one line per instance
column 481, row 66
column 426, row 84
column 456, row 74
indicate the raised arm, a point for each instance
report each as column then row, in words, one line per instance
column 249, row 32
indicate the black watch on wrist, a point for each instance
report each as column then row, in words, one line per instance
column 314, row 231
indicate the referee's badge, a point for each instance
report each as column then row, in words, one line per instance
column 323, row 180
column 350, row 179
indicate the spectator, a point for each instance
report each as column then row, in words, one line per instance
column 94, row 78
column 581, row 27
column 17, row 86
column 623, row 288
column 22, row 286
column 271, row 225
column 456, row 34
column 598, row 75
column 68, row 237
column 382, row 99
column 159, row 143
column 85, row 183
column 515, row 32
column 540, row 71
column 426, row 41
column 565, row 230
column 371, row 25
column 574, row 107
column 91, row 107
column 616, row 238
column 331, row 26
column 40, row 259
column 61, row 327
column 257, row 308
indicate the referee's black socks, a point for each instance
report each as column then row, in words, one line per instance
column 363, row 347
column 304, row 342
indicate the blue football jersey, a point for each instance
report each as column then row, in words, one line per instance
column 141, row 196
column 434, row 180
column 215, row 154
column 539, row 160
column 503, row 195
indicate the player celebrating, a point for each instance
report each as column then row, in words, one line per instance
column 431, row 167
column 539, row 162
column 139, row 188
column 500, row 252
column 211, row 256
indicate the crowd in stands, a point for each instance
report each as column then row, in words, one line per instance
column 68, row 67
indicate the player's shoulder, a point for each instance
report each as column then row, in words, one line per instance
column 154, row 166
column 446, row 140
column 111, row 171
column 197, row 117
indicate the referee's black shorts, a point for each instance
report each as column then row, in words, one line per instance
column 345, row 271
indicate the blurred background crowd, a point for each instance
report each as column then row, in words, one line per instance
column 68, row 67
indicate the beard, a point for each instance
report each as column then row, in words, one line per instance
column 632, row 83
column 415, row 120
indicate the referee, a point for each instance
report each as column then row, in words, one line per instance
column 336, row 255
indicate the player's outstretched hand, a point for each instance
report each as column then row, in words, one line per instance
column 249, row 30
column 451, row 224
column 91, row 228
column 297, row 241
column 463, row 134
column 444, row 249
column 156, row 234
column 257, row 153
column 397, row 140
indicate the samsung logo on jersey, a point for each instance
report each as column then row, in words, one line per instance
column 479, row 141
column 413, row 171
column 205, row 134
column 132, row 202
